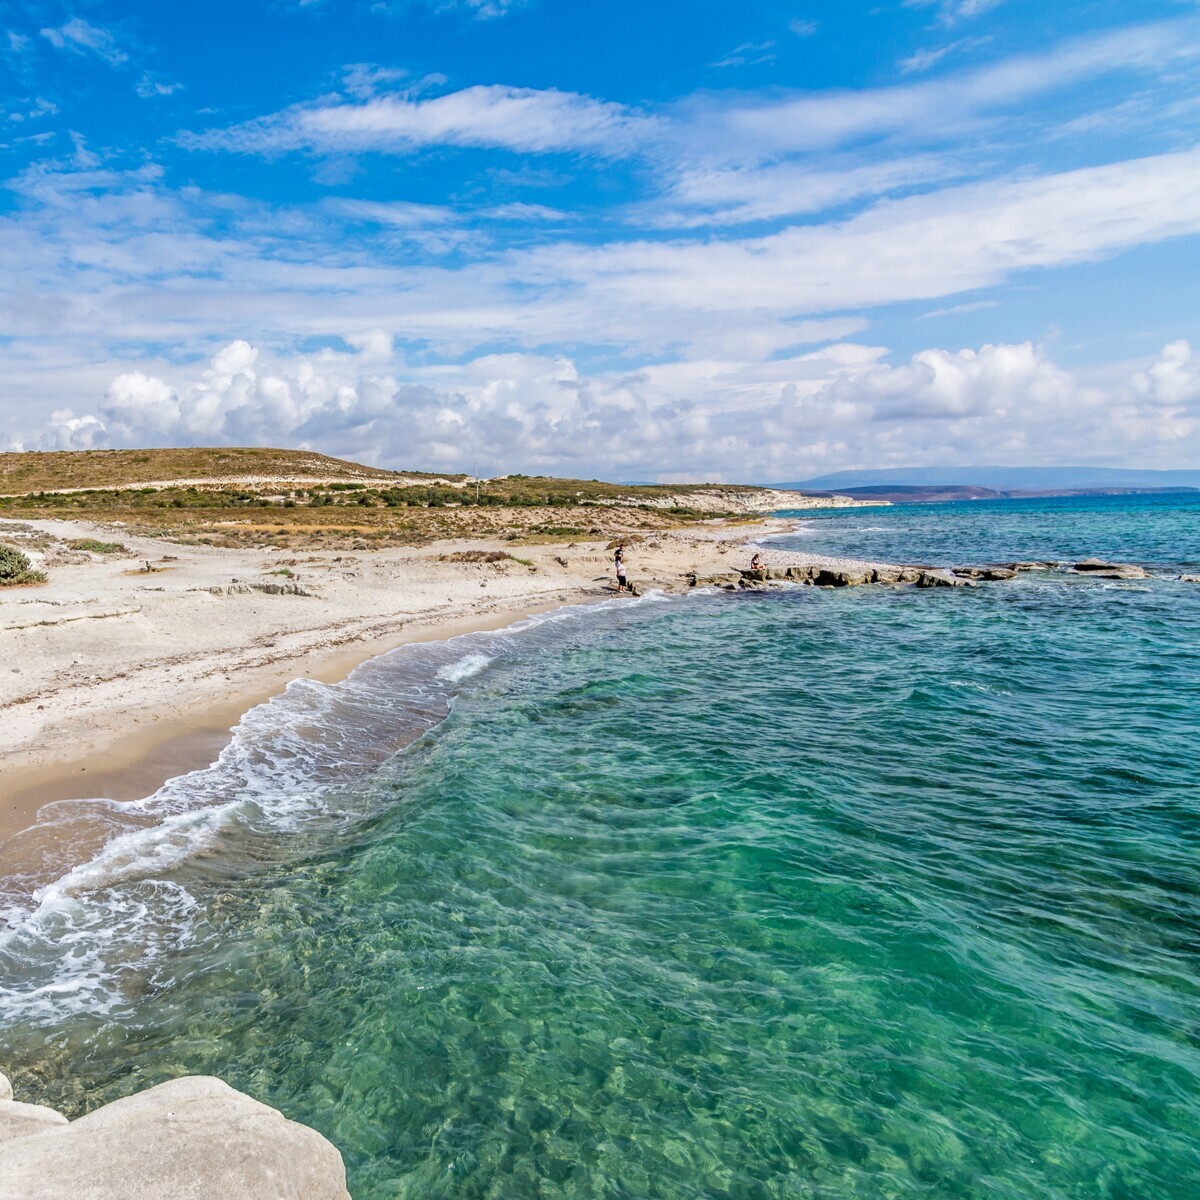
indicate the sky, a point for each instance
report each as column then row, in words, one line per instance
column 729, row 240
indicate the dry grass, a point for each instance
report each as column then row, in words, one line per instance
column 31, row 471
column 267, row 498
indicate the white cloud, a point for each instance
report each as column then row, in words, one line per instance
column 956, row 240
column 716, row 194
column 940, row 107
column 922, row 60
column 84, row 38
column 1174, row 379
column 149, row 87
column 748, row 54
column 959, row 309
column 714, row 417
column 951, row 12
column 802, row 28
column 527, row 120
column 484, row 10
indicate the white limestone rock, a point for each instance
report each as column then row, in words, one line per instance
column 20, row 1120
column 189, row 1139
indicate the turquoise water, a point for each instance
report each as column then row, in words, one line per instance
column 1160, row 531
column 813, row 893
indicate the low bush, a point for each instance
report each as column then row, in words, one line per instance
column 97, row 547
column 16, row 568
column 484, row 556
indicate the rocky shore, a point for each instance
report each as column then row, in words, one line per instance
column 187, row 1139
column 847, row 573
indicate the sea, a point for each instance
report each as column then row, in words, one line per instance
column 825, row 893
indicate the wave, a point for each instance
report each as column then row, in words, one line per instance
column 294, row 765
column 465, row 668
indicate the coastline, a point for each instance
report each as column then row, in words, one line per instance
column 129, row 678
column 125, row 683
column 129, row 765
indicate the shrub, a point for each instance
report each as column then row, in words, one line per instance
column 97, row 547
column 15, row 568
column 476, row 556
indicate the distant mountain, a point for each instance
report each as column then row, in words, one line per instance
column 1000, row 479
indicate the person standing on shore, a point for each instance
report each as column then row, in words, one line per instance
column 619, row 560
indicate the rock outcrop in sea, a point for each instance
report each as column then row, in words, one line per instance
column 182, row 1140
column 843, row 573
column 1097, row 568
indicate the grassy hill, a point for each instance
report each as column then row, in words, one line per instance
column 31, row 471
column 231, row 496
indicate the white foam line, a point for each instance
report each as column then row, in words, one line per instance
column 138, row 854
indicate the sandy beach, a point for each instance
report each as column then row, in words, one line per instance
column 117, row 677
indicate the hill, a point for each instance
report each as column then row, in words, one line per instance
column 233, row 496
column 33, row 471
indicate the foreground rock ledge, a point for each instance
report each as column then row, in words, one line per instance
column 189, row 1139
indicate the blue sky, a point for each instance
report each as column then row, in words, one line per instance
column 722, row 240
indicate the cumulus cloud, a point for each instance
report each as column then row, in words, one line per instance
column 714, row 417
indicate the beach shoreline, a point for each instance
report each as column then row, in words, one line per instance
column 130, row 765
column 127, row 678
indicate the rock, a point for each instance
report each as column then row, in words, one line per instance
column 190, row 1139
column 269, row 589
column 5, row 1088
column 895, row 575
column 1189, row 579
column 281, row 589
column 1029, row 565
column 835, row 577
column 987, row 574
column 1097, row 568
column 936, row 578
column 20, row 1120
column 800, row 574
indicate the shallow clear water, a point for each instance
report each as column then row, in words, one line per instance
column 816, row 893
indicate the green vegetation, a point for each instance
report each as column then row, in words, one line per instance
column 224, row 497
column 15, row 568
column 97, row 547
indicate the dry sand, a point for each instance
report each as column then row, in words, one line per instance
column 113, row 679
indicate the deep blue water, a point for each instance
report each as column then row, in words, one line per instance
column 1161, row 531
column 871, row 893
